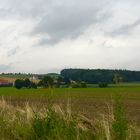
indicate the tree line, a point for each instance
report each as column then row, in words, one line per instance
column 77, row 78
column 95, row 76
column 49, row 82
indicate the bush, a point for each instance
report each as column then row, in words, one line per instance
column 19, row 83
column 103, row 85
column 76, row 85
column 24, row 83
column 79, row 85
column 27, row 83
column 83, row 85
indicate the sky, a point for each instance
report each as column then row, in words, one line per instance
column 42, row 36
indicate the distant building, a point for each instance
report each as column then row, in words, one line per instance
column 4, row 82
column 34, row 77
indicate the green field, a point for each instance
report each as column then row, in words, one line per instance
column 127, row 92
column 84, row 100
column 94, row 106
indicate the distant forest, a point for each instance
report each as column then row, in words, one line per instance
column 94, row 76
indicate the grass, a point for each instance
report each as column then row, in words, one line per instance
column 51, row 123
column 88, row 101
column 28, row 108
column 54, row 123
column 92, row 93
column 120, row 123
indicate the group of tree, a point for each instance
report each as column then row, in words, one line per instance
column 97, row 76
column 79, row 78
column 48, row 81
column 21, row 83
column 45, row 82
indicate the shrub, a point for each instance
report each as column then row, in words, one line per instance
column 19, row 83
column 83, row 85
column 75, row 85
column 79, row 85
column 24, row 83
column 27, row 83
column 103, row 85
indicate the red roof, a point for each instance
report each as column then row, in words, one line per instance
column 2, row 81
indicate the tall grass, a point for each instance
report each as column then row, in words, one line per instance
column 54, row 123
column 120, row 123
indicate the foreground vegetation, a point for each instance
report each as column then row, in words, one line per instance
column 127, row 91
column 53, row 123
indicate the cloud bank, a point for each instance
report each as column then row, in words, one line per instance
column 41, row 36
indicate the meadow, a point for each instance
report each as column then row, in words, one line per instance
column 90, row 103
column 84, row 100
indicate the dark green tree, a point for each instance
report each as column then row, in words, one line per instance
column 27, row 83
column 59, row 81
column 95, row 76
column 48, row 81
column 19, row 83
column 66, row 80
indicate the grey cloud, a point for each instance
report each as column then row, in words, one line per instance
column 69, row 21
column 22, row 9
column 13, row 51
column 125, row 29
column 56, row 20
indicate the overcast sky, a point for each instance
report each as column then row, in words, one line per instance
column 41, row 36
